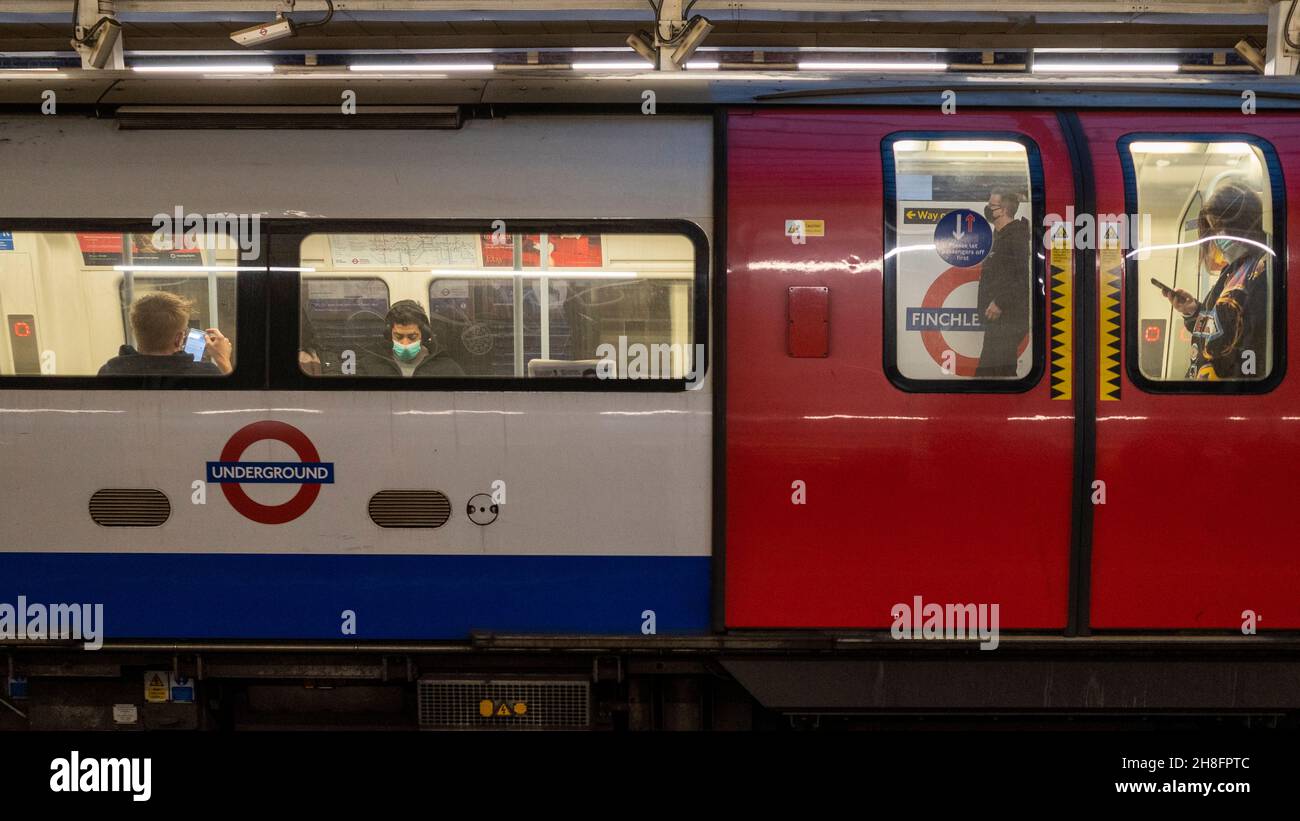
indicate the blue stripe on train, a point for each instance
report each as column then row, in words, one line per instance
column 288, row 596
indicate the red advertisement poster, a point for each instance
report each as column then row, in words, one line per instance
column 567, row 251
column 106, row 249
column 575, row 251
column 502, row 254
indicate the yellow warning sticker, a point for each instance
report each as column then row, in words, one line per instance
column 485, row 708
column 802, row 229
column 155, row 687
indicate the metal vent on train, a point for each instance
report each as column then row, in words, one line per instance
column 409, row 508
column 504, row 704
column 129, row 507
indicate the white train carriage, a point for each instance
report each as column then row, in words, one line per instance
column 531, row 494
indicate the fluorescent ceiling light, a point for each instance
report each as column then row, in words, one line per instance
column 1170, row 147
column 422, row 67
column 189, row 268
column 210, row 68
column 1229, row 148
column 703, row 65
column 977, row 145
column 611, row 65
column 26, row 73
column 205, row 269
column 1107, row 68
column 814, row 65
column 532, row 273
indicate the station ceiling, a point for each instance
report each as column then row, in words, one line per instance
column 43, row 26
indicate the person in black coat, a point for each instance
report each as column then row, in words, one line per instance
column 1003, row 300
column 410, row 347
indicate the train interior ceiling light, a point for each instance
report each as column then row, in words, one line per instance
column 282, row 27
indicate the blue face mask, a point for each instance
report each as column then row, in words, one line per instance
column 406, row 352
column 1232, row 250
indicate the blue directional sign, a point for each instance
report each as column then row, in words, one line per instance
column 963, row 238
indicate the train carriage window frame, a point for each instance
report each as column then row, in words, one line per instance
column 1038, row 269
column 286, row 241
column 1133, row 276
column 249, row 371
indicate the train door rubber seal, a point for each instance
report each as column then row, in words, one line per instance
column 718, row 566
column 1085, row 389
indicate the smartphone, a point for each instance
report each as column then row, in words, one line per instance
column 195, row 343
column 1161, row 285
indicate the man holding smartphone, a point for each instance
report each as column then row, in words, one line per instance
column 160, row 323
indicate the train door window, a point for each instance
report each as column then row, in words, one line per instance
column 1204, row 286
column 522, row 306
column 963, row 263
column 115, row 304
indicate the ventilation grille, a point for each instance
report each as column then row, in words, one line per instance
column 129, row 507
column 409, row 508
column 459, row 704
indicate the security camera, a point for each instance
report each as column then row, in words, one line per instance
column 102, row 51
column 641, row 44
column 264, row 33
column 1251, row 54
column 282, row 27
column 696, row 31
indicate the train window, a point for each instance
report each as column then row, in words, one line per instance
column 963, row 263
column 115, row 304
column 501, row 306
column 1204, row 276
column 344, row 313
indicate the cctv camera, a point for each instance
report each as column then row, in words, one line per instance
column 641, row 44
column 698, row 29
column 264, row 33
column 102, row 51
column 1251, row 54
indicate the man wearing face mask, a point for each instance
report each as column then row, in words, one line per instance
column 1003, row 300
column 1233, row 317
column 410, row 347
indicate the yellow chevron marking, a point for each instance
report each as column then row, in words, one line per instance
column 1108, row 377
column 1062, row 350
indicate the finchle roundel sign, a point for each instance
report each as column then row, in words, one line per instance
column 309, row 472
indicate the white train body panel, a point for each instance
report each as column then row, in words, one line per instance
column 586, row 473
